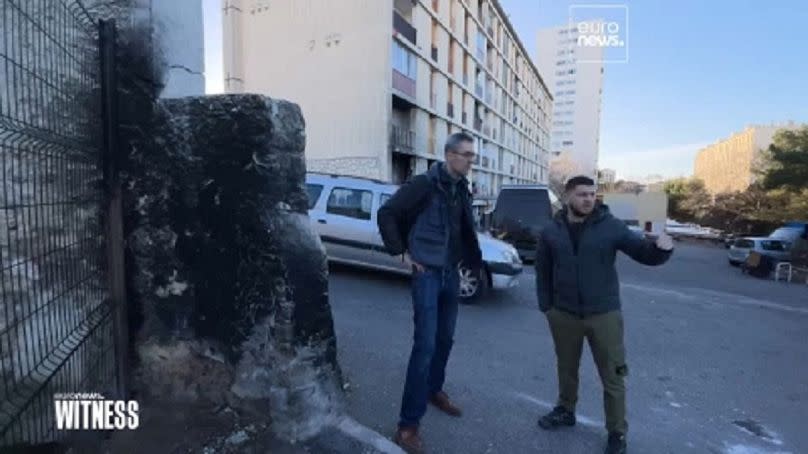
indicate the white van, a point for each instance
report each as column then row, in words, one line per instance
column 343, row 212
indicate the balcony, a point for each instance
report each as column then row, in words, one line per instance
column 403, row 84
column 404, row 28
column 401, row 140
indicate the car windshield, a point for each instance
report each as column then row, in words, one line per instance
column 313, row 191
column 772, row 245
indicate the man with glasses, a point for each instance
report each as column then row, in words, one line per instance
column 429, row 223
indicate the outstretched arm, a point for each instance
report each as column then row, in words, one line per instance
column 644, row 250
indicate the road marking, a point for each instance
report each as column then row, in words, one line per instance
column 352, row 428
column 747, row 449
column 698, row 296
column 581, row 419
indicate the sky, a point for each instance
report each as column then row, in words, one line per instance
column 698, row 70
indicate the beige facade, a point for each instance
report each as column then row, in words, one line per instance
column 382, row 83
column 728, row 165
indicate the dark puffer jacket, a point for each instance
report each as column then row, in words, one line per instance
column 586, row 283
column 418, row 219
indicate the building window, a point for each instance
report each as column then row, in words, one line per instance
column 567, row 143
column 404, row 61
column 482, row 44
column 350, row 203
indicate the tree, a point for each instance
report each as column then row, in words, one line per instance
column 787, row 166
column 627, row 187
column 688, row 200
column 561, row 169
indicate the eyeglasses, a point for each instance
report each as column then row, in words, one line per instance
column 467, row 154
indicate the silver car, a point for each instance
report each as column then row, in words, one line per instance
column 343, row 212
column 772, row 247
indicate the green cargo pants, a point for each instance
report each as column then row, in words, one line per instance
column 604, row 332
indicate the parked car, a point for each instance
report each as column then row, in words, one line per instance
column 343, row 212
column 742, row 247
column 520, row 213
column 789, row 232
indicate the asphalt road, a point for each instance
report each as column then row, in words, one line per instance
column 717, row 363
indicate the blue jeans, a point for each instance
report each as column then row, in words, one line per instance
column 434, row 303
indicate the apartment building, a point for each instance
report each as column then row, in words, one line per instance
column 606, row 177
column 383, row 83
column 574, row 74
column 729, row 164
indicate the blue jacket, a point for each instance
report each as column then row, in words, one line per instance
column 586, row 283
column 416, row 219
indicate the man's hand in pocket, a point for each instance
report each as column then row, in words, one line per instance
column 412, row 264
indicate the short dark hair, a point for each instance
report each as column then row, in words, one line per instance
column 455, row 139
column 580, row 180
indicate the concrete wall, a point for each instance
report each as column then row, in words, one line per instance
column 228, row 283
column 179, row 30
column 644, row 207
column 333, row 59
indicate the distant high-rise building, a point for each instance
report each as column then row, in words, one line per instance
column 575, row 76
column 606, row 176
column 728, row 165
column 383, row 83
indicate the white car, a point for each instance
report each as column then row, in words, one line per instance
column 742, row 247
column 343, row 213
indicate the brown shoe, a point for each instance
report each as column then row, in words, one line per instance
column 441, row 400
column 407, row 438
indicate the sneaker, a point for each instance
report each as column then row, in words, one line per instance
column 560, row 416
column 617, row 444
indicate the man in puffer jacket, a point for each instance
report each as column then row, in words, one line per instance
column 578, row 290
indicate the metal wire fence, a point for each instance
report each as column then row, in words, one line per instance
column 56, row 319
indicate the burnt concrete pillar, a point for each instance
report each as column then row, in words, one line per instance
column 227, row 280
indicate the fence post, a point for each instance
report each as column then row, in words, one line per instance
column 111, row 160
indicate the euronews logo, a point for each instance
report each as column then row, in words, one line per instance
column 93, row 412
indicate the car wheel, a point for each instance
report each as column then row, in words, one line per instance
column 472, row 284
column 734, row 263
